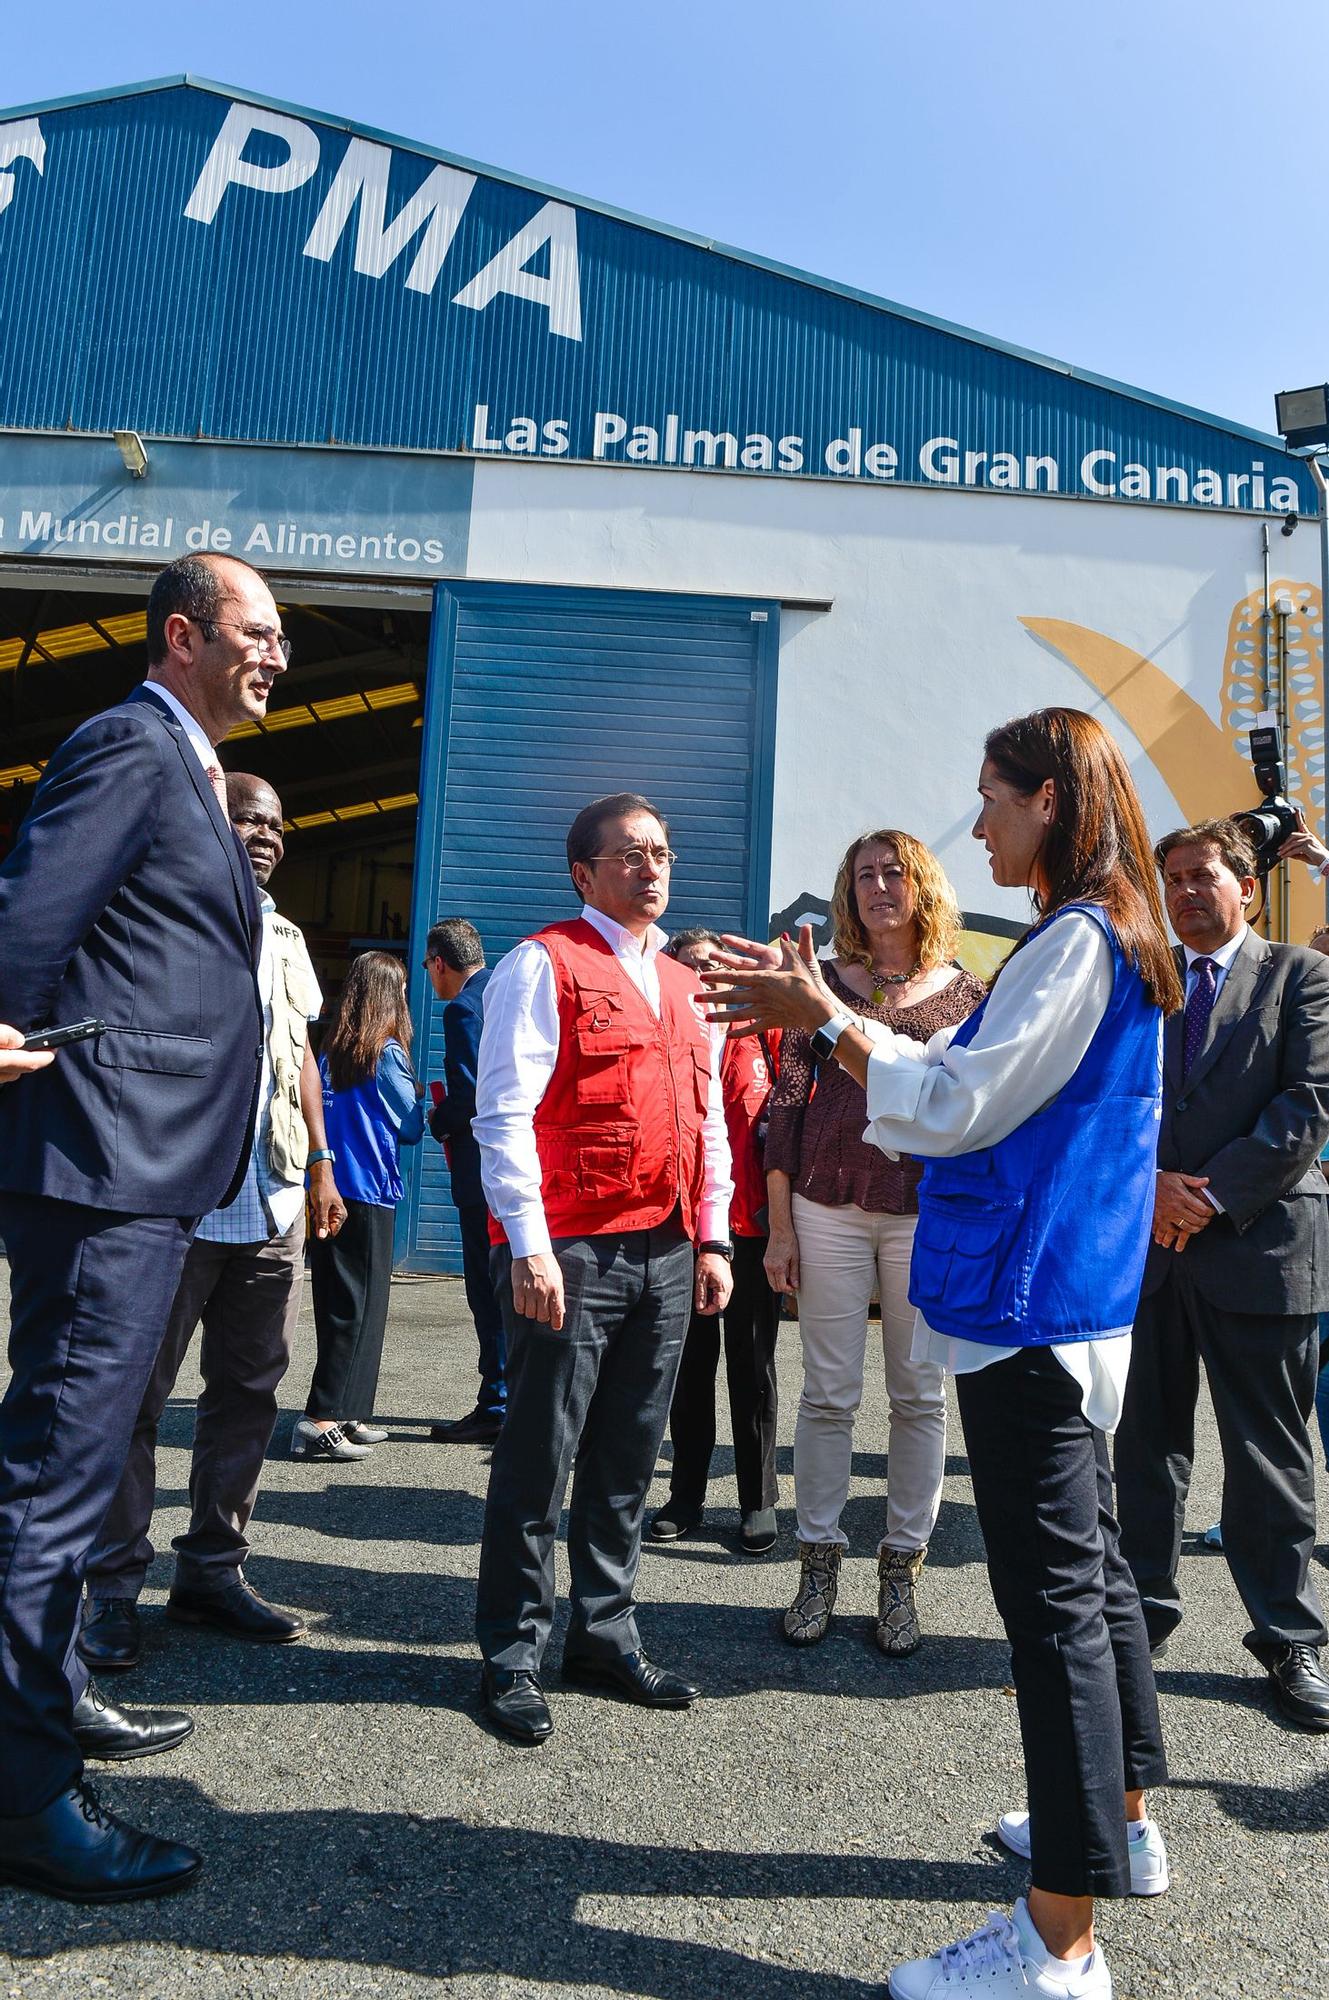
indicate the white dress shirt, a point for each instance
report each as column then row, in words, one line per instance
column 935, row 1101
column 193, row 728
column 518, row 1049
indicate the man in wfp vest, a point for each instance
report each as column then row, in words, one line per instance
column 604, row 1158
column 241, row 1277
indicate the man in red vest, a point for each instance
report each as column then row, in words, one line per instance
column 605, row 1159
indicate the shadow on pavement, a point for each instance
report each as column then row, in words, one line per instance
column 1267, row 1808
column 439, row 1897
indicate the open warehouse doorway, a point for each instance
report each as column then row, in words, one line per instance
column 340, row 744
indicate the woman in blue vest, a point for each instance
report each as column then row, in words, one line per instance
column 1038, row 1117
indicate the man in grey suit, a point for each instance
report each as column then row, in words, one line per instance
column 1239, row 1267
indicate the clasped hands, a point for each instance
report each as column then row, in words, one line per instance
column 1180, row 1209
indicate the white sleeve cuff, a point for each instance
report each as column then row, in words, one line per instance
column 528, row 1233
column 713, row 1222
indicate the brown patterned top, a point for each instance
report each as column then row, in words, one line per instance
column 816, row 1136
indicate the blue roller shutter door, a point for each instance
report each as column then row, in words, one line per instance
column 540, row 699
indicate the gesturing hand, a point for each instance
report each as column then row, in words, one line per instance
column 753, row 988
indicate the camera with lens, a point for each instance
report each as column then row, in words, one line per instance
column 1273, row 822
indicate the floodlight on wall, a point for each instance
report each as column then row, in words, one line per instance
column 1303, row 416
column 132, row 450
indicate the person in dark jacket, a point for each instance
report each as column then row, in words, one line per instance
column 127, row 899
column 455, row 962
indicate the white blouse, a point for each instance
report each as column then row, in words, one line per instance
column 935, row 1101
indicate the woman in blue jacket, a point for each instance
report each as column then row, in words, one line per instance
column 1038, row 1118
column 371, row 1106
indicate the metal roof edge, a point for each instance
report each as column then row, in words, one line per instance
column 753, row 259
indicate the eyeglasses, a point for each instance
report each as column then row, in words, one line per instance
column 266, row 637
column 637, row 857
column 426, row 962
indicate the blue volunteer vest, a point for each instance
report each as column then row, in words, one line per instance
column 1043, row 1236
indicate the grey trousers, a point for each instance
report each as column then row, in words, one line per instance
column 596, row 1392
column 1261, row 1372
column 247, row 1296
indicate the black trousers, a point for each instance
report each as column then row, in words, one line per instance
column 1079, row 1650
column 475, row 1246
column 247, row 1296
column 350, row 1278
column 1262, row 1373
column 598, row 1391
column 751, row 1322
column 89, row 1295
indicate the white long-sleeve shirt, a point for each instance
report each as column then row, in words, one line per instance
column 518, row 1049
column 935, row 1101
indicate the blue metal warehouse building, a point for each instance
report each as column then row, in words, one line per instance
column 557, row 501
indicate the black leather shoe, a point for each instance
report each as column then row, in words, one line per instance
column 631, row 1675
column 674, row 1520
column 476, row 1427
column 116, row 1734
column 515, row 1703
column 1300, row 1688
column 238, row 1609
column 111, row 1634
column 756, row 1536
column 1158, row 1647
column 74, row 1848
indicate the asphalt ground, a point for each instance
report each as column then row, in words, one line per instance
column 819, row 1816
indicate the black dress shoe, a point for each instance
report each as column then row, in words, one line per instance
column 631, row 1675
column 116, row 1734
column 238, row 1609
column 756, row 1536
column 476, row 1427
column 74, row 1848
column 1300, row 1688
column 674, row 1520
column 111, row 1634
column 515, row 1703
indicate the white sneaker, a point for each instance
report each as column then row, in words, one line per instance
column 1003, row 1958
column 1148, row 1856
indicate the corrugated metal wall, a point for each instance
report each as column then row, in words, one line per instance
column 117, row 309
column 540, row 700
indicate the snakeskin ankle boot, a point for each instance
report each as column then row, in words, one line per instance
column 809, row 1615
column 898, row 1629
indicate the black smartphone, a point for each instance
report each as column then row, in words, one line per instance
column 57, row 1038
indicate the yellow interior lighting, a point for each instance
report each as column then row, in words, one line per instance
column 366, row 809
column 67, row 642
column 336, row 709
column 20, row 774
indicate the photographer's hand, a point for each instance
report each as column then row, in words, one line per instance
column 1303, row 846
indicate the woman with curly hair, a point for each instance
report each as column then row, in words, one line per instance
column 842, row 1218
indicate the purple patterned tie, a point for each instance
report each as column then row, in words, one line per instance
column 1198, row 1009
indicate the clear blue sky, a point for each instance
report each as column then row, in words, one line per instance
column 1134, row 187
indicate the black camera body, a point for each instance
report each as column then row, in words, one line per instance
column 1273, row 822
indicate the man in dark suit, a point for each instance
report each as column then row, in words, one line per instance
column 455, row 962
column 1239, row 1267
column 127, row 898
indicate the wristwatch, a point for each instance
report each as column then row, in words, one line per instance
column 823, row 1041
column 323, row 1153
column 725, row 1250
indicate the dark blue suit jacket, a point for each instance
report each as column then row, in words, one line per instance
column 128, row 897
column 463, row 1019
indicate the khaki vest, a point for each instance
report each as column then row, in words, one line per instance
column 288, row 1135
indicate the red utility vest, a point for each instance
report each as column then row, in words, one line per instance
column 747, row 1084
column 619, row 1128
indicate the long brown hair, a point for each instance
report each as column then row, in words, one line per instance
column 371, row 1013
column 1096, row 849
column 937, row 919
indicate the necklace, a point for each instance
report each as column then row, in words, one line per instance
column 881, row 980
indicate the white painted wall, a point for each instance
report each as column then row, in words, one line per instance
column 884, row 701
